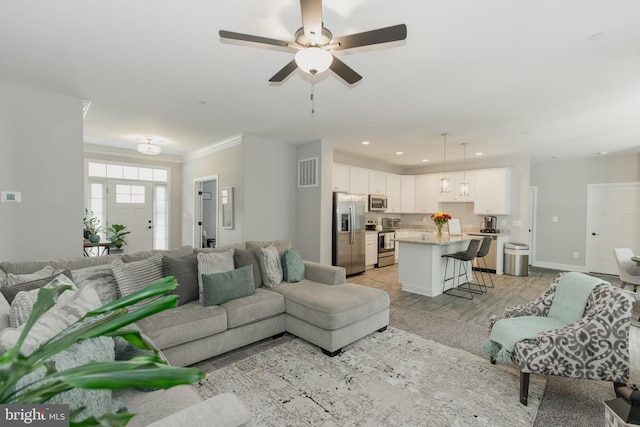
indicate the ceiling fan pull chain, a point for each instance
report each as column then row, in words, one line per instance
column 312, row 97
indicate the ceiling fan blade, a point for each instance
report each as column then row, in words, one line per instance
column 311, row 17
column 381, row 35
column 284, row 72
column 254, row 39
column 344, row 71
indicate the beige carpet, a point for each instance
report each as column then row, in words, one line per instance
column 391, row 378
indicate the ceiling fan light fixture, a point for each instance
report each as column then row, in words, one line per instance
column 149, row 148
column 313, row 60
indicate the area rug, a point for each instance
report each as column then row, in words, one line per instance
column 392, row 378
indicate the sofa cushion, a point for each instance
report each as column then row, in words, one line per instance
column 16, row 279
column 101, row 278
column 270, row 266
column 183, row 324
column 244, row 257
column 52, row 322
column 224, row 248
column 9, row 292
column 218, row 288
column 253, row 308
column 185, row 270
column 281, row 245
column 177, row 253
column 331, row 306
column 292, row 266
column 24, row 267
column 133, row 276
column 213, row 262
column 22, row 304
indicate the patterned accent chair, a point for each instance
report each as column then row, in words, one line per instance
column 595, row 347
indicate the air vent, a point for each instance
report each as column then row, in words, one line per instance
column 308, row 172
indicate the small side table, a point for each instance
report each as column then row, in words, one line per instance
column 102, row 248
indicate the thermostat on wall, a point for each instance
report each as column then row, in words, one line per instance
column 11, row 196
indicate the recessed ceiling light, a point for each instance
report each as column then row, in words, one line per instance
column 399, row 153
column 425, row 160
column 602, row 153
column 365, row 142
column 479, row 153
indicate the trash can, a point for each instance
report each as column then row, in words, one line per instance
column 516, row 259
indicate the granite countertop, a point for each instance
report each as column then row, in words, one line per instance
column 433, row 240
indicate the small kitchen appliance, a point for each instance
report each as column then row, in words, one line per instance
column 490, row 225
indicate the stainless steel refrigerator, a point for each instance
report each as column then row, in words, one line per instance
column 349, row 231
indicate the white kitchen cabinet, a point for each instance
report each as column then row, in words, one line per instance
column 371, row 249
column 340, row 178
column 456, row 178
column 393, row 193
column 358, row 180
column 426, row 194
column 377, row 182
column 492, row 192
column 407, row 193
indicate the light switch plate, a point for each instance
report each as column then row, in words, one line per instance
column 11, row 196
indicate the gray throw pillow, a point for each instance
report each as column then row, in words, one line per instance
column 292, row 266
column 185, row 270
column 101, row 278
column 244, row 257
column 270, row 266
column 22, row 304
column 133, row 276
column 10, row 292
column 219, row 288
column 215, row 262
column 16, row 279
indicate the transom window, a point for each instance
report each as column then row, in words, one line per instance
column 132, row 173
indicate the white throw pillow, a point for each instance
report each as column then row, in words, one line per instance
column 22, row 304
column 214, row 262
column 270, row 266
column 52, row 322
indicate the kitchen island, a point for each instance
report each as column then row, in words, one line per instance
column 421, row 266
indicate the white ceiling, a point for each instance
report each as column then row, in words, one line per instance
column 511, row 78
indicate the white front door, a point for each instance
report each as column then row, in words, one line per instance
column 130, row 203
column 613, row 221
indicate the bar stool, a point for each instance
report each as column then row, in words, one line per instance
column 482, row 253
column 463, row 257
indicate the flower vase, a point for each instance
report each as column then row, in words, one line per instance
column 439, row 232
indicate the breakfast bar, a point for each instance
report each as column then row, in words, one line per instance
column 421, row 266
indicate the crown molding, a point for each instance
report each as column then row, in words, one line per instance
column 215, row 147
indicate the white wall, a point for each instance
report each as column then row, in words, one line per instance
column 562, row 192
column 228, row 164
column 40, row 156
column 270, row 173
column 314, row 205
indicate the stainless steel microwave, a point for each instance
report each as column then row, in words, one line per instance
column 377, row 202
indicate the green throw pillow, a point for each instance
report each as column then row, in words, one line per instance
column 218, row 288
column 292, row 266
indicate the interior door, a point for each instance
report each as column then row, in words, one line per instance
column 130, row 203
column 613, row 221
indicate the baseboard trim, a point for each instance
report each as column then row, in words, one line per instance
column 561, row 267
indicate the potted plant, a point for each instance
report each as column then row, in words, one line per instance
column 116, row 234
column 91, row 226
column 108, row 320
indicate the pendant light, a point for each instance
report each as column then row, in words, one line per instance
column 464, row 185
column 149, row 148
column 445, row 183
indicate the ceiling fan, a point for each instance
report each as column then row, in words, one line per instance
column 314, row 43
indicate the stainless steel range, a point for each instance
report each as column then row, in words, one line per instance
column 386, row 245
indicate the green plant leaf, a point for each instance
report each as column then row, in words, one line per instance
column 107, row 420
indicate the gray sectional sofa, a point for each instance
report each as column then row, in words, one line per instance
column 320, row 308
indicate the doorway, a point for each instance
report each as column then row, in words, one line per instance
column 131, row 203
column 533, row 203
column 613, row 221
column 206, row 212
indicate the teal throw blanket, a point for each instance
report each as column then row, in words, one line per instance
column 568, row 305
